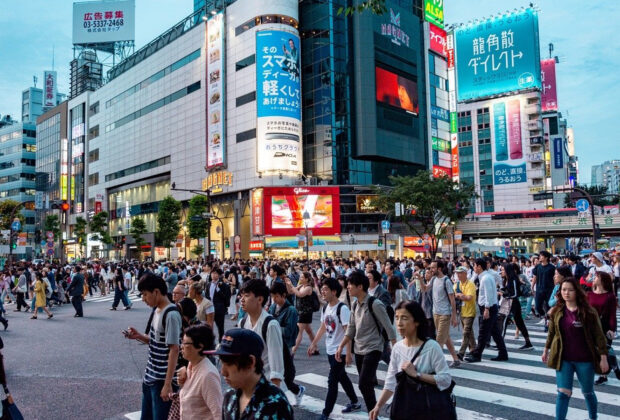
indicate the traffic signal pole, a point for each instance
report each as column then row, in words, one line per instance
column 588, row 197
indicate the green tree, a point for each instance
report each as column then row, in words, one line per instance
column 197, row 226
column 52, row 224
column 98, row 226
column 168, row 221
column 138, row 228
column 430, row 203
column 375, row 6
column 6, row 210
column 597, row 193
column 80, row 232
column 197, row 250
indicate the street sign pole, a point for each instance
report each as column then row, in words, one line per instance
column 588, row 197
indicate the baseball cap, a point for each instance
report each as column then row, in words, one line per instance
column 237, row 342
column 461, row 270
column 598, row 256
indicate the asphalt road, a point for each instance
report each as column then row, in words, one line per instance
column 82, row 368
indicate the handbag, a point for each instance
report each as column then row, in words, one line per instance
column 504, row 307
column 10, row 411
column 175, row 407
column 425, row 400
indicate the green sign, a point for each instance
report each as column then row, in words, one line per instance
column 441, row 145
column 433, row 12
column 453, row 123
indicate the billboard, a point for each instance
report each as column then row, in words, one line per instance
column 284, row 210
column 558, row 153
column 278, row 101
column 257, row 212
column 397, row 91
column 433, row 12
column 97, row 22
column 437, row 40
column 216, row 121
column 549, row 92
column 498, row 55
column 509, row 165
column 50, row 88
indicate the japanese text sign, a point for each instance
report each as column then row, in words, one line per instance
column 103, row 21
column 549, row 92
column 433, row 12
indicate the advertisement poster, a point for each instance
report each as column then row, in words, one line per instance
column 49, row 89
column 501, row 138
column 216, row 121
column 498, row 55
column 284, row 210
column 278, row 102
column 514, row 122
column 257, row 212
column 433, row 12
column 437, row 40
column 104, row 21
column 397, row 91
column 549, row 92
column 508, row 145
column 558, row 153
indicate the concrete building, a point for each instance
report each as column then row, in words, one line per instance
column 607, row 175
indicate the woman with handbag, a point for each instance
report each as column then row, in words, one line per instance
column 575, row 344
column 603, row 300
column 418, row 376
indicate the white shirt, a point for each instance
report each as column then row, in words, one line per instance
column 430, row 360
column 487, row 295
column 334, row 327
column 272, row 353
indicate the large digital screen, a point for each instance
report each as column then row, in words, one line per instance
column 397, row 91
column 498, row 55
column 284, row 210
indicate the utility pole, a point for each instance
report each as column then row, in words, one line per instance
column 588, row 197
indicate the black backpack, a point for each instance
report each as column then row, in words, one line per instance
column 371, row 301
column 163, row 319
column 316, row 304
column 289, row 366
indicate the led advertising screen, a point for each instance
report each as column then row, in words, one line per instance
column 284, row 210
column 97, row 22
column 498, row 55
column 278, row 101
column 549, row 92
column 509, row 165
column 216, row 136
column 397, row 91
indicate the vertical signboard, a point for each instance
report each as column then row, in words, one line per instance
column 433, row 12
column 257, row 212
column 216, row 122
column 64, row 169
column 437, row 40
column 549, row 92
column 50, row 89
column 514, row 115
column 558, row 153
column 509, row 166
column 498, row 55
column 501, row 138
column 278, row 101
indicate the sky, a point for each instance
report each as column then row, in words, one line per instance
column 583, row 34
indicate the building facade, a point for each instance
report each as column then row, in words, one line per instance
column 607, row 175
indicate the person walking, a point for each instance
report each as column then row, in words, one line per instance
column 218, row 292
column 119, row 290
column 20, row 291
column 542, row 283
column 75, row 290
column 512, row 285
column 465, row 291
column 39, row 297
column 575, row 344
column 303, row 304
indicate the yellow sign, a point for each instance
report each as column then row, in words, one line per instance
column 534, row 190
column 216, row 180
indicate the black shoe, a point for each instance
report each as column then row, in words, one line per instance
column 460, row 356
column 500, row 359
column 78, row 316
column 601, row 380
column 472, row 359
column 527, row 346
column 127, row 307
column 617, row 372
column 112, row 308
column 6, row 324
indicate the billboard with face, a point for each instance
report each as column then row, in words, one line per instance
column 397, row 91
column 498, row 55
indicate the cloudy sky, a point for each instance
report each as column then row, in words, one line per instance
column 583, row 34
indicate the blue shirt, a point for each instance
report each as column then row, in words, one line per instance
column 487, row 293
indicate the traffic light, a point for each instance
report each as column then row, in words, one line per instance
column 226, row 244
column 380, row 241
column 64, row 206
column 14, row 245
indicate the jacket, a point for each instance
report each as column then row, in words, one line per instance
column 595, row 339
column 221, row 297
column 76, row 288
column 287, row 317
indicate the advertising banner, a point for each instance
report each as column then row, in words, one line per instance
column 433, row 12
column 397, row 91
column 96, row 22
column 514, row 121
column 257, row 212
column 278, row 101
column 439, row 171
column 285, row 208
column 50, row 88
column 437, row 40
column 549, row 92
column 558, row 153
column 216, row 121
column 501, row 138
column 498, row 55
column 364, row 204
column 508, row 145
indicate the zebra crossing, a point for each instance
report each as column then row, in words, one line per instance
column 523, row 387
column 133, row 297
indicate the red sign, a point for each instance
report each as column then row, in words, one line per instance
column 437, row 39
column 257, row 212
column 413, row 241
column 549, row 92
column 455, row 161
column 396, row 90
column 256, row 246
column 98, row 207
column 450, row 56
column 514, row 129
column 439, row 171
column 285, row 207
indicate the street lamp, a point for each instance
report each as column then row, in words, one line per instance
column 306, row 217
column 453, row 225
column 185, row 239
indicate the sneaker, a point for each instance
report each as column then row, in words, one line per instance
column 601, row 380
column 300, row 394
column 472, row 359
column 454, row 364
column 541, row 322
column 460, row 356
column 352, row 407
column 112, row 308
column 527, row 346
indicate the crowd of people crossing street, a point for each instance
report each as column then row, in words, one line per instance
column 399, row 335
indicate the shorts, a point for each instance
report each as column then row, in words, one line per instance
column 305, row 318
column 442, row 325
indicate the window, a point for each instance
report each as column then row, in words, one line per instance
column 265, row 19
column 93, row 179
column 139, row 168
column 93, row 132
column 246, row 99
column 93, row 156
column 248, row 61
column 94, row 109
column 246, row 135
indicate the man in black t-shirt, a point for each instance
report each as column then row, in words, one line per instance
column 543, row 280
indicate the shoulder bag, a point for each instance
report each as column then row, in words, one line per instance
column 423, row 399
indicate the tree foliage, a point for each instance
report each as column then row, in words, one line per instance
column 52, row 224
column 79, row 231
column 377, row 7
column 597, row 192
column 198, row 249
column 6, row 209
column 430, row 203
column 99, row 227
column 168, row 221
column 197, row 228
column 138, row 228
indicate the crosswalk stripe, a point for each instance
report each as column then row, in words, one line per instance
column 134, row 415
column 315, row 405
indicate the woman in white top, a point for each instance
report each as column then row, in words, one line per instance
column 410, row 323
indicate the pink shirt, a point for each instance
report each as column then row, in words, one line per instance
column 201, row 395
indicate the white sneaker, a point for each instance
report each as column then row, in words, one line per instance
column 302, row 390
column 541, row 322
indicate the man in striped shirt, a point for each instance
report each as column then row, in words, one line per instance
column 163, row 338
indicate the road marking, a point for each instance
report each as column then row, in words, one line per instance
column 134, row 416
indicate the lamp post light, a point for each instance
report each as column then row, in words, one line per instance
column 306, row 217
column 120, row 233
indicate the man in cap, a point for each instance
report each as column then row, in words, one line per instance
column 597, row 264
column 252, row 396
column 465, row 294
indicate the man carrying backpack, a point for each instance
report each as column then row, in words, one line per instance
column 334, row 322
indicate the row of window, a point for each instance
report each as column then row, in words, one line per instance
column 152, row 79
column 135, row 169
column 18, row 148
column 245, row 99
column 154, row 106
column 246, row 135
column 16, row 191
column 16, row 163
column 17, row 177
column 264, row 19
column 248, row 61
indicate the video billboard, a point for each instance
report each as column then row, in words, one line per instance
column 278, row 101
column 397, row 91
column 498, row 55
column 549, row 92
column 97, row 22
column 216, row 121
column 285, row 207
column 509, row 165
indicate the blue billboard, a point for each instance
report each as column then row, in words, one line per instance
column 278, row 69
column 558, row 153
column 498, row 55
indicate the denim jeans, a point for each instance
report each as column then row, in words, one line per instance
column 126, row 300
column 564, row 379
column 337, row 375
column 153, row 407
column 528, row 306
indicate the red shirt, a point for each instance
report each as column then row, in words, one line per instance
column 605, row 305
column 574, row 346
